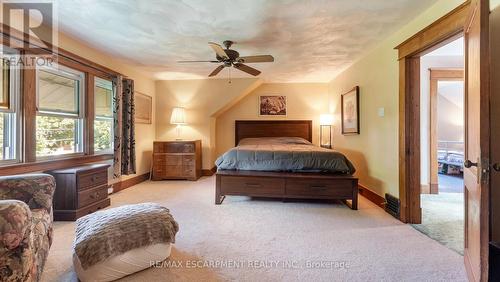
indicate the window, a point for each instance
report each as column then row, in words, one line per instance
column 103, row 123
column 9, row 108
column 59, row 120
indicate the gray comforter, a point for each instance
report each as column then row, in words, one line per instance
column 283, row 154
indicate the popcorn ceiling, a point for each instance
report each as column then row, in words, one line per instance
column 311, row 41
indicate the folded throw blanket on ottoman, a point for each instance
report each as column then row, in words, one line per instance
column 112, row 232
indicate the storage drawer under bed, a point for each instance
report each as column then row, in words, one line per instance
column 319, row 188
column 253, row 186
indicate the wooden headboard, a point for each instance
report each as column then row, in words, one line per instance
column 272, row 128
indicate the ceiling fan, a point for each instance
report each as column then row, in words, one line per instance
column 229, row 57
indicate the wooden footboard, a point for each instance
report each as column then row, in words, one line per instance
column 286, row 185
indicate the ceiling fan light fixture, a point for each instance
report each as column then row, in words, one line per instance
column 231, row 58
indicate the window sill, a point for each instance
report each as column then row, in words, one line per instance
column 59, row 163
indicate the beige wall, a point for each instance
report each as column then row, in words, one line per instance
column 375, row 150
column 304, row 101
column 203, row 99
column 450, row 119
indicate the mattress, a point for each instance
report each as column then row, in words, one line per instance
column 122, row 265
column 283, row 154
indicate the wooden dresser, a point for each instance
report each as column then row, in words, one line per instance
column 80, row 191
column 176, row 160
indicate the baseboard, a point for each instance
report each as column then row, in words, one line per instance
column 122, row 185
column 372, row 196
column 209, row 172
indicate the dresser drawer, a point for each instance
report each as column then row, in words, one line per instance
column 176, row 160
column 253, row 186
column 173, row 160
column 90, row 180
column 188, row 171
column 93, row 207
column 90, row 196
column 319, row 187
column 189, row 160
column 179, row 148
column 172, row 171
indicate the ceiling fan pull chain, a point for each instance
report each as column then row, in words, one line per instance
column 229, row 75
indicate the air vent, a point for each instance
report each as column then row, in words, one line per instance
column 392, row 205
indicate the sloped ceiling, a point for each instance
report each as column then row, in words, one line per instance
column 311, row 41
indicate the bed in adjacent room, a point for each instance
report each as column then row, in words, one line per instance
column 277, row 159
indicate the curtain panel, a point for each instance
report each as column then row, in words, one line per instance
column 124, row 127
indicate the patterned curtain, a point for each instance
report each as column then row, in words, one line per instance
column 124, row 127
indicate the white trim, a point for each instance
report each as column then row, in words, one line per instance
column 13, row 112
column 78, row 117
column 107, row 84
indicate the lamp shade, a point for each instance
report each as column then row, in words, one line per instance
column 178, row 116
column 326, row 119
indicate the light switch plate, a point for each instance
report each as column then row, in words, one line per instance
column 381, row 112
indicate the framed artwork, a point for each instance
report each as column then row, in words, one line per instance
column 350, row 111
column 143, row 108
column 272, row 105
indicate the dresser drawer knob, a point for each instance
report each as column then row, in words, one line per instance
column 95, row 195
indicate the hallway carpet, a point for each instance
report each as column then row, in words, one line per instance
column 268, row 240
column 443, row 219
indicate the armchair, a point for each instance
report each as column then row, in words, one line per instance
column 25, row 225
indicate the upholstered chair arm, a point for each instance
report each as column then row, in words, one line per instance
column 36, row 190
column 15, row 224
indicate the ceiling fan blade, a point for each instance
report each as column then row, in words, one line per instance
column 197, row 61
column 218, row 50
column 246, row 69
column 216, row 71
column 256, row 59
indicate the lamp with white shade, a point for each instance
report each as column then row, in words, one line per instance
column 325, row 132
column 178, row 118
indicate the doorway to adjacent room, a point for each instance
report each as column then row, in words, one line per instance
column 442, row 144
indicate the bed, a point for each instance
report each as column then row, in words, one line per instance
column 275, row 159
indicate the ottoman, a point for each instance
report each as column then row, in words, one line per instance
column 117, row 242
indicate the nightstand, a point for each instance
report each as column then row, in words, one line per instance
column 80, row 191
column 176, row 160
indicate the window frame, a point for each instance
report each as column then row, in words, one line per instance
column 103, row 118
column 25, row 109
column 14, row 111
column 80, row 124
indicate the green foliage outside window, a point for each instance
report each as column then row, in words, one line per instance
column 55, row 135
column 103, row 134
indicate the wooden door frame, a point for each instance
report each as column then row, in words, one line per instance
column 438, row 34
column 436, row 75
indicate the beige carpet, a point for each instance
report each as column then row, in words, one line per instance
column 263, row 240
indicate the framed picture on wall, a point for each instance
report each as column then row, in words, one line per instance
column 350, row 111
column 272, row 105
column 143, row 108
